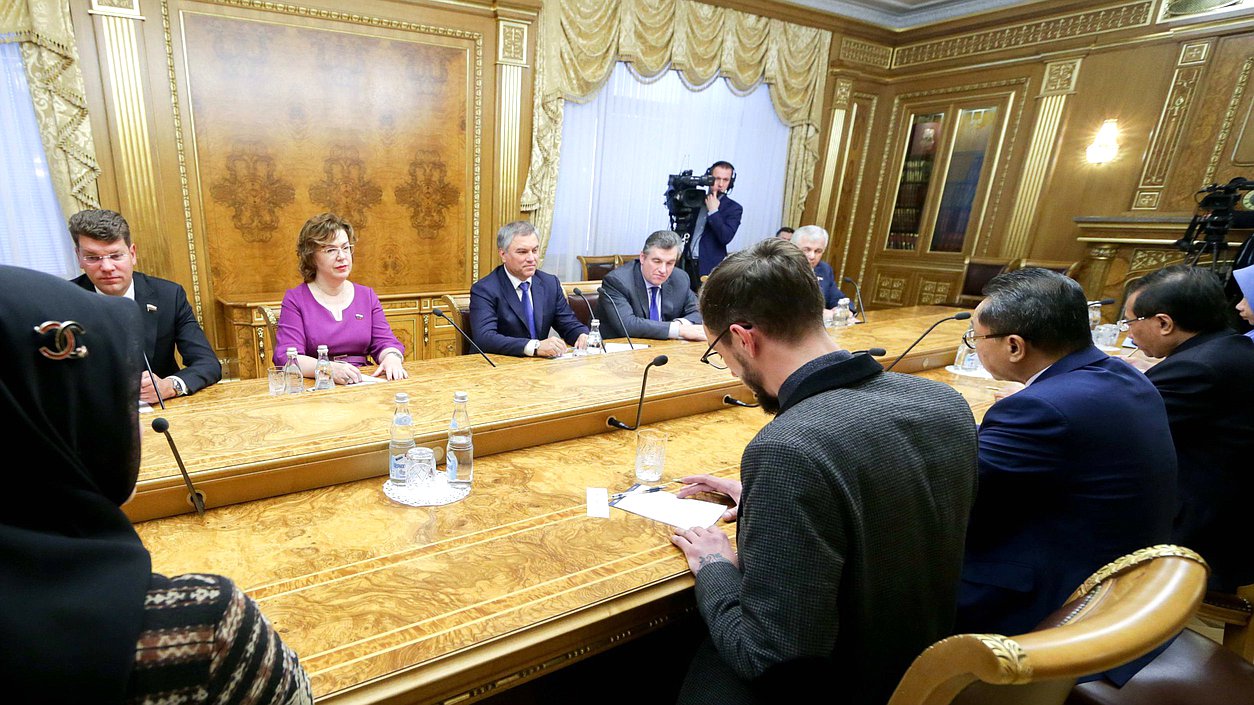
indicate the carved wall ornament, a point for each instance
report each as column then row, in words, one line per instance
column 1239, row 157
column 511, row 43
column 844, row 89
column 1060, row 27
column 1060, row 77
column 889, row 290
column 345, row 190
column 428, row 72
column 1103, row 251
column 857, row 51
column 1147, row 260
column 1012, row 660
column 253, row 191
column 116, row 8
column 934, row 292
column 1146, row 200
column 1195, row 53
column 428, row 194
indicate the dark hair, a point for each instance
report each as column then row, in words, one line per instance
column 1193, row 297
column 784, row 229
column 1043, row 307
column 770, row 286
column 318, row 232
column 723, row 164
column 99, row 224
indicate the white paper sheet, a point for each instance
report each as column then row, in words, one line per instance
column 669, row 509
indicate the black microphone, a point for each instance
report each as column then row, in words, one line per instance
column 153, row 379
column 160, row 425
column 857, row 290
column 470, row 340
column 1101, row 302
column 612, row 307
column 873, row 352
column 591, row 316
column 956, row 317
column 659, row 361
column 733, row 401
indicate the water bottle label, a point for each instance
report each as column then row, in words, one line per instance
column 452, row 467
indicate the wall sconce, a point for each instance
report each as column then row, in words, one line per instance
column 1105, row 146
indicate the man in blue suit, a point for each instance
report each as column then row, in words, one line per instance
column 1206, row 380
column 813, row 242
column 650, row 297
column 716, row 224
column 1075, row 470
column 513, row 308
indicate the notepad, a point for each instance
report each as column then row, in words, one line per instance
column 669, row 509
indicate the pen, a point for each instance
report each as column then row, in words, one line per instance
column 659, row 488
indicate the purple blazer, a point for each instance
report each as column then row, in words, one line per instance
column 305, row 324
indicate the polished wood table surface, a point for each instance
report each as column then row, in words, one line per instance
column 388, row 603
column 239, row 443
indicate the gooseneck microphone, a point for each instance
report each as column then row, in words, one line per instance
column 160, row 425
column 612, row 307
column 857, row 290
column 468, row 339
column 733, row 401
column 153, row 378
column 591, row 316
column 964, row 315
column 659, row 361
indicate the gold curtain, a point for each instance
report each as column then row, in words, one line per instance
column 579, row 41
column 42, row 29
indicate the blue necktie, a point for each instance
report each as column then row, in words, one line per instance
column 527, row 308
column 655, row 311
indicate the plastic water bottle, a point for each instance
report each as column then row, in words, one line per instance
column 966, row 359
column 842, row 317
column 402, row 441
column 293, row 380
column 460, row 456
column 596, row 346
column 322, row 373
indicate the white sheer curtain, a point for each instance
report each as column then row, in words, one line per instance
column 32, row 230
column 618, row 149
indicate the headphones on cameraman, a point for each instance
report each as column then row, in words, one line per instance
column 726, row 165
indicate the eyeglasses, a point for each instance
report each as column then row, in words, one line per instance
column 335, row 251
column 97, row 259
column 970, row 337
column 714, row 359
column 1123, row 323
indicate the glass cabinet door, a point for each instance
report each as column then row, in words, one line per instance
column 915, row 181
column 972, row 136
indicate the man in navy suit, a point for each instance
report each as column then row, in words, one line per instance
column 102, row 242
column 716, row 224
column 513, row 308
column 1207, row 382
column 650, row 296
column 1076, row 470
column 813, row 241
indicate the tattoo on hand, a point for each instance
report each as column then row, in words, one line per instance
column 703, row 561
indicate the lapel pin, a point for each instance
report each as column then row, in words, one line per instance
column 151, row 308
column 360, row 316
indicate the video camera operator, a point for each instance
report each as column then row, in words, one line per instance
column 714, row 225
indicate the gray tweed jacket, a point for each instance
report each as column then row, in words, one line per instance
column 852, row 522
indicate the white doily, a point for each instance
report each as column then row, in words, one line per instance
column 425, row 494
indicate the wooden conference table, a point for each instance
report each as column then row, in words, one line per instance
column 387, row 603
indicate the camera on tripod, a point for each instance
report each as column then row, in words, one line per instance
column 1216, row 214
column 685, row 194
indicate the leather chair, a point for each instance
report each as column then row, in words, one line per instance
column 589, row 290
column 457, row 307
column 976, row 273
column 1234, row 612
column 1063, row 267
column 1122, row 612
column 595, row 267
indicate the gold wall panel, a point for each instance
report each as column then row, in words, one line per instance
column 857, row 51
column 842, row 225
column 1052, row 29
column 1171, row 124
column 379, row 129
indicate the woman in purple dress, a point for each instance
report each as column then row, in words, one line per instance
column 330, row 310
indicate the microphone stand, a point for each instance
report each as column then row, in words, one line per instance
column 964, row 315
column 160, row 425
column 152, row 378
column 659, row 361
column 612, row 307
column 857, row 290
column 468, row 339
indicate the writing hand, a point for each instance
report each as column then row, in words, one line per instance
column 695, row 484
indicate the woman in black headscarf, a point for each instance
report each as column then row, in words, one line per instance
column 82, row 616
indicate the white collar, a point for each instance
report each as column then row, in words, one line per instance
column 515, row 280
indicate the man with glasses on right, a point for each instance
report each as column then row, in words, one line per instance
column 1206, row 379
column 1075, row 470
